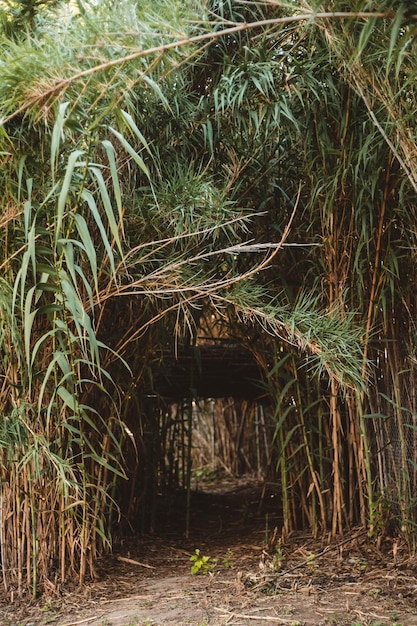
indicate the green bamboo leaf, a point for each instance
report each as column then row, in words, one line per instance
column 68, row 398
column 27, row 207
column 132, row 125
column 57, row 136
column 74, row 430
column 39, row 343
column 364, row 38
column 396, row 26
column 87, row 339
column 258, row 85
column 108, row 146
column 208, row 135
column 75, row 504
column 28, row 319
column 6, row 136
column 102, row 425
column 66, row 246
column 88, row 420
column 89, row 247
column 62, row 360
column 100, row 460
column 114, row 228
column 65, row 189
column 43, row 286
column 72, row 304
column 31, row 248
column 91, row 342
column 89, row 199
column 157, row 89
column 19, row 283
column 43, row 251
column 20, row 170
column 130, row 150
column 99, row 526
column 87, row 286
column 46, row 270
column 59, row 359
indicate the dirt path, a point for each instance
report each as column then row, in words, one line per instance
column 250, row 578
column 178, row 600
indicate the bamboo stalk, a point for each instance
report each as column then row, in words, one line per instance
column 337, row 520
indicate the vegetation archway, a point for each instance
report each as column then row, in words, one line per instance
column 167, row 162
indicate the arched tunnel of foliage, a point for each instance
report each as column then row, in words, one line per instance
column 180, row 173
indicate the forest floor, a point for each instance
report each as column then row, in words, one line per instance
column 250, row 576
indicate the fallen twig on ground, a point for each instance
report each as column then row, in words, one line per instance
column 124, row 559
column 259, row 618
column 82, row 621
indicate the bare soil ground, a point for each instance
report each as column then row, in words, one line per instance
column 255, row 579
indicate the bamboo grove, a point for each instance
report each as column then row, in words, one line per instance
column 167, row 167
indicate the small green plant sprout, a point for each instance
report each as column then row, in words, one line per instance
column 227, row 561
column 278, row 558
column 202, row 564
column 362, row 565
column 311, row 562
column 375, row 592
column 47, row 606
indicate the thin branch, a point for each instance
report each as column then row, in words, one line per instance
column 82, row 621
column 124, row 559
column 194, row 292
column 196, row 233
column 207, row 286
column 259, row 618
